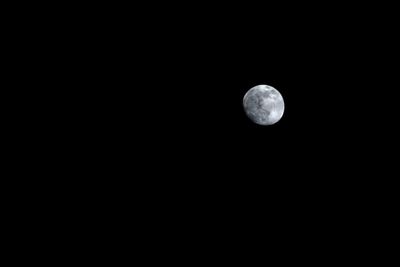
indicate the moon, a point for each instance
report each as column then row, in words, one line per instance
column 263, row 105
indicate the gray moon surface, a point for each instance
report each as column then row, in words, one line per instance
column 263, row 105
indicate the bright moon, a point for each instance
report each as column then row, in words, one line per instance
column 263, row 105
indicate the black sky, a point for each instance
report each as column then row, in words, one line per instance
column 141, row 121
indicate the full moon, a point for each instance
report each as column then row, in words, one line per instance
column 263, row 105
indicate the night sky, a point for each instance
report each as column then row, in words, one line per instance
column 140, row 122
